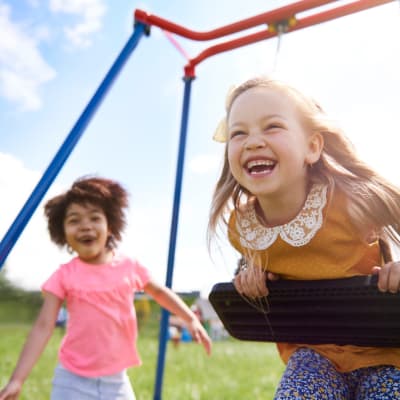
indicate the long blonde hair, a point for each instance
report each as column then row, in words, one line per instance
column 374, row 203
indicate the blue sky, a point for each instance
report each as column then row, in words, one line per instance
column 53, row 56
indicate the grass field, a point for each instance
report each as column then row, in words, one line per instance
column 235, row 371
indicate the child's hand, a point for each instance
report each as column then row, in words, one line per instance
column 389, row 277
column 11, row 391
column 251, row 281
column 199, row 334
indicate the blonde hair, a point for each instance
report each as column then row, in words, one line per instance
column 374, row 203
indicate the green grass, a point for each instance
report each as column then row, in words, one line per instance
column 235, row 370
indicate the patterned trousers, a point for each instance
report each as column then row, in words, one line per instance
column 310, row 376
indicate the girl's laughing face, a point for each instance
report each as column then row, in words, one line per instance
column 269, row 146
column 86, row 231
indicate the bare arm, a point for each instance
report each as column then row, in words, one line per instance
column 174, row 304
column 34, row 346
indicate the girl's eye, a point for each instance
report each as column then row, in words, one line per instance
column 272, row 126
column 236, row 134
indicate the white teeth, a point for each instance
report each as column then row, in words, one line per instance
column 255, row 163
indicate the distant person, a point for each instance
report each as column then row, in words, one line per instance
column 298, row 203
column 98, row 286
column 175, row 330
column 62, row 318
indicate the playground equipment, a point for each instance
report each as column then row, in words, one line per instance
column 340, row 311
column 272, row 24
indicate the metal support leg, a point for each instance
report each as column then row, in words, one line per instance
column 163, row 337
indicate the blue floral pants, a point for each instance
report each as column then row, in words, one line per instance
column 310, row 376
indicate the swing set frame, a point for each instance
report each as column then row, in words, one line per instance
column 272, row 24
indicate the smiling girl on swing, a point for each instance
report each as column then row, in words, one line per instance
column 298, row 203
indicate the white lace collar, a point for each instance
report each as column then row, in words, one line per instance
column 298, row 232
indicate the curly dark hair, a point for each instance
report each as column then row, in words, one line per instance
column 109, row 195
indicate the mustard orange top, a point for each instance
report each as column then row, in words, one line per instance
column 319, row 243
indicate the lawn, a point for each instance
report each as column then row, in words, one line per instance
column 235, row 371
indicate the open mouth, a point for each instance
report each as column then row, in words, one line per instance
column 258, row 167
column 87, row 240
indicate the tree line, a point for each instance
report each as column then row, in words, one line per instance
column 16, row 303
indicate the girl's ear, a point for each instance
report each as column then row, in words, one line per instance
column 315, row 146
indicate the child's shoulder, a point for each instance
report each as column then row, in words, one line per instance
column 123, row 260
column 120, row 262
column 69, row 264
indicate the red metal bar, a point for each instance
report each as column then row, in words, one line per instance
column 324, row 16
column 266, row 18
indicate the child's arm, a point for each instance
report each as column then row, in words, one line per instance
column 174, row 304
column 34, row 346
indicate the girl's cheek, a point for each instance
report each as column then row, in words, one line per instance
column 231, row 163
column 234, row 162
column 232, row 153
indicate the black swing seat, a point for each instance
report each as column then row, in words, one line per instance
column 340, row 311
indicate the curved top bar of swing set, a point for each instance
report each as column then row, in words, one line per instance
column 270, row 18
column 265, row 18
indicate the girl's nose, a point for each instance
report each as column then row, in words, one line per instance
column 255, row 141
column 85, row 224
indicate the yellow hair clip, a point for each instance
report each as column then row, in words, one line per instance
column 220, row 132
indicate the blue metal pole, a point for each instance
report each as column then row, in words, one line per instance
column 65, row 150
column 162, row 343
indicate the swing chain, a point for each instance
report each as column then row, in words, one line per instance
column 280, row 28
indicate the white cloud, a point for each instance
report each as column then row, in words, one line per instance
column 205, row 163
column 15, row 186
column 22, row 68
column 33, row 257
column 91, row 12
column 196, row 271
column 42, row 33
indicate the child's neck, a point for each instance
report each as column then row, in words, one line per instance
column 280, row 210
column 105, row 257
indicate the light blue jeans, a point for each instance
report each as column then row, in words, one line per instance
column 69, row 386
